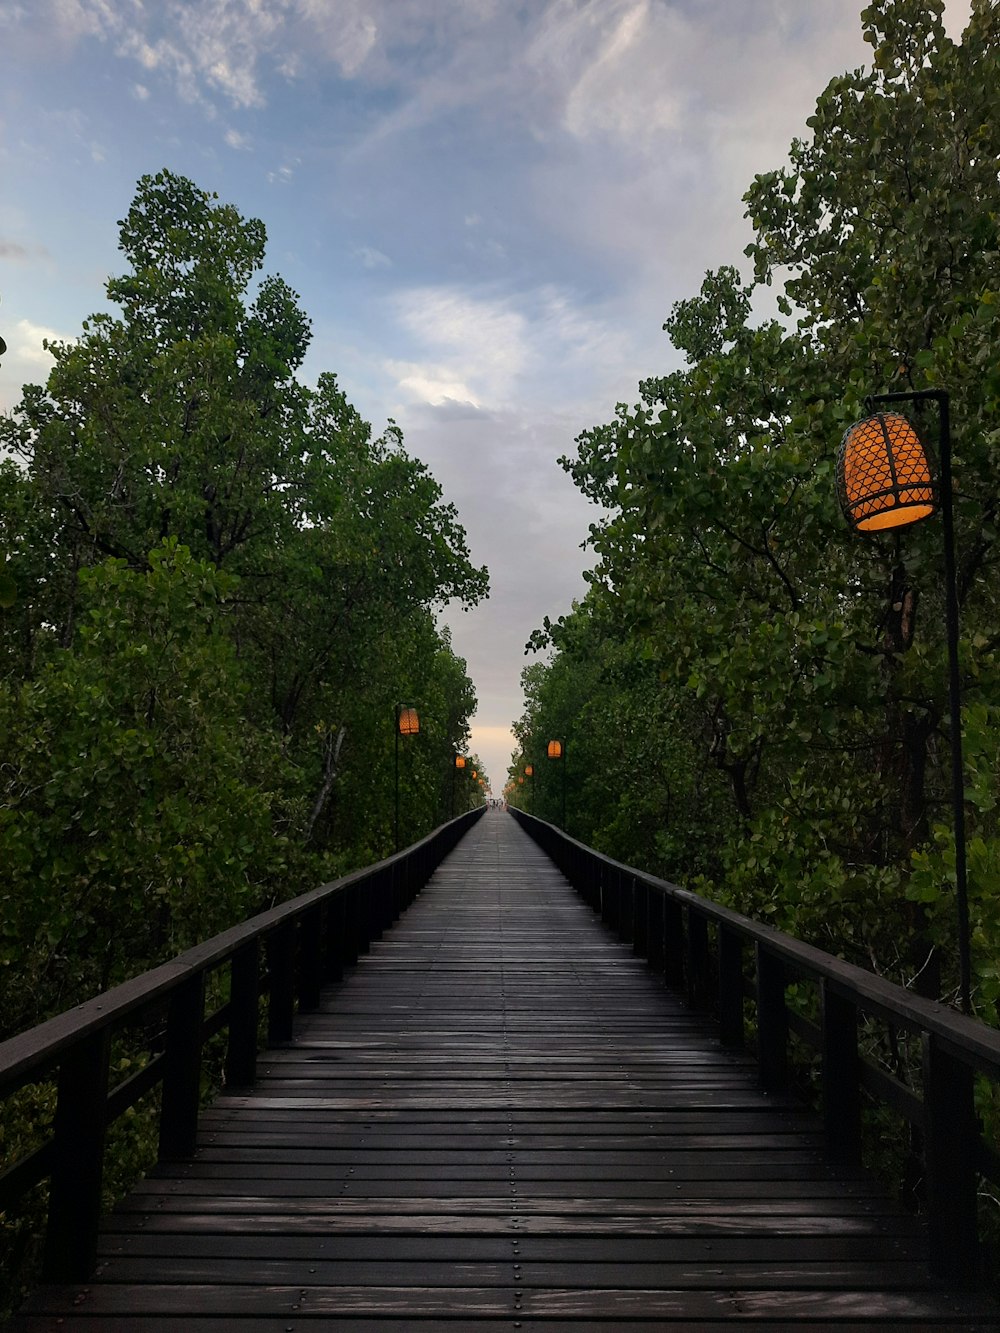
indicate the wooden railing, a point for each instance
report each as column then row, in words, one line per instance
column 720, row 960
column 287, row 953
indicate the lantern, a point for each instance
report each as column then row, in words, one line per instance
column 529, row 770
column 555, row 749
column 884, row 475
column 460, row 761
column 407, row 720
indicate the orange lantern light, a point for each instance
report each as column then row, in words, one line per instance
column 529, row 770
column 407, row 720
column 555, row 749
column 460, row 761
column 884, row 477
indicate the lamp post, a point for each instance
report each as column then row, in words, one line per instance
column 407, row 724
column 557, row 750
column 885, row 481
column 529, row 772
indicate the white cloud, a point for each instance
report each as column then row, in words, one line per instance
column 479, row 346
column 283, row 175
column 26, row 343
column 540, row 345
column 348, row 32
column 433, row 384
column 236, row 140
column 372, row 258
column 140, row 92
column 608, row 64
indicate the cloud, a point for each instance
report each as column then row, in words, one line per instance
column 348, row 34
column 372, row 258
column 606, row 64
column 16, row 253
column 284, row 174
column 236, row 140
column 485, row 351
column 432, row 384
column 479, row 346
column 26, row 343
column 140, row 92
column 205, row 48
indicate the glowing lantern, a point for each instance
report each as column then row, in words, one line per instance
column 883, row 474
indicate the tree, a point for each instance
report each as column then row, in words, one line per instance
column 821, row 697
column 222, row 584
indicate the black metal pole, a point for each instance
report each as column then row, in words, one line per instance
column 940, row 396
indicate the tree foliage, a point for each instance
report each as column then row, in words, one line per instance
column 220, row 585
column 801, row 667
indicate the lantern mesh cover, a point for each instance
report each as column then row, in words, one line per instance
column 884, row 475
column 409, row 723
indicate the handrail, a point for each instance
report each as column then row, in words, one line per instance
column 669, row 927
column 306, row 942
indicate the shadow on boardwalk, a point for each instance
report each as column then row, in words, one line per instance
column 500, row 1120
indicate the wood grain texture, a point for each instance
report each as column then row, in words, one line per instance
column 499, row 1120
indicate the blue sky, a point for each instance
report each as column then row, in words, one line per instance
column 487, row 207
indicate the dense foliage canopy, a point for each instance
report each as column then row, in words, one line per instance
column 754, row 699
column 218, row 586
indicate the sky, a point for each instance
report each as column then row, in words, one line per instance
column 487, row 207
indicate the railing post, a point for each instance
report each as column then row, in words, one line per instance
column 655, row 935
column 592, row 884
column 673, row 943
column 400, row 894
column 730, row 952
column 244, row 994
column 697, row 959
column 281, row 994
column 640, row 917
column 951, row 1135
column 367, row 928
column 182, row 1070
column 310, row 958
column 78, row 1168
column 625, row 890
column 772, row 1022
column 352, row 924
column 334, row 947
column 840, row 1074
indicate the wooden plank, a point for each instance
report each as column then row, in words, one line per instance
column 861, row 1308
column 500, row 1120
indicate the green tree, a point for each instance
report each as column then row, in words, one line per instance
column 821, row 696
column 138, row 813
column 171, row 466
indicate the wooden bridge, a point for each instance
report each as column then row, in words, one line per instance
column 500, row 1118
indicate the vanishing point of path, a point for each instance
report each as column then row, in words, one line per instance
column 500, row 1120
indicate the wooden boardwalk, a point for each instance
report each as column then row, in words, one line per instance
column 500, row 1120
